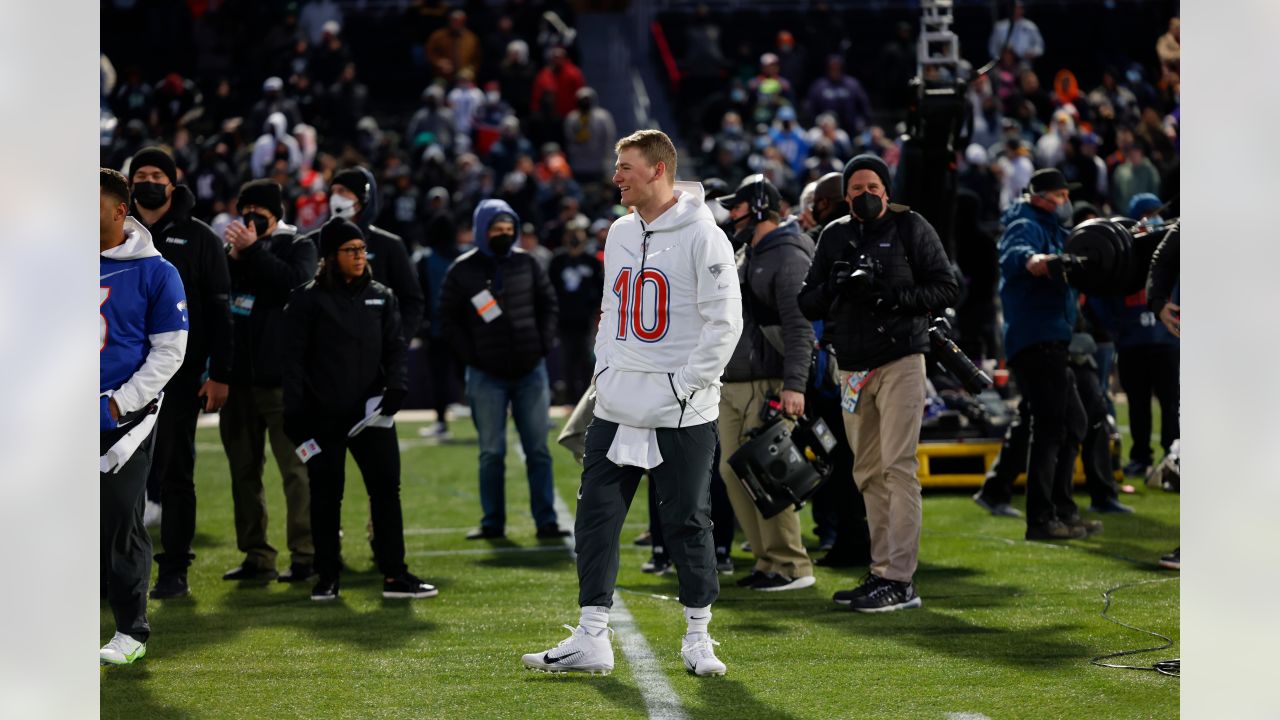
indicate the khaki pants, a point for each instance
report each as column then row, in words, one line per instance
column 884, row 433
column 776, row 541
column 251, row 415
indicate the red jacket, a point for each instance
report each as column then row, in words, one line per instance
column 563, row 86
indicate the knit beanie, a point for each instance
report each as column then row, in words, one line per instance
column 335, row 234
column 866, row 161
column 264, row 193
column 155, row 157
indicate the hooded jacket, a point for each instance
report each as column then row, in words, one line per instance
column 1036, row 310
column 660, row 353
column 142, row 313
column 342, row 345
column 389, row 260
column 197, row 253
column 264, row 148
column 261, row 280
column 914, row 279
column 513, row 343
column 772, row 273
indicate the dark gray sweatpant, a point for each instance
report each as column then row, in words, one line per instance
column 683, row 484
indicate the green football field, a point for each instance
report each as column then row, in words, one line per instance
column 1006, row 631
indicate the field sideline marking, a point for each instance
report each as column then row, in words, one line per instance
column 660, row 698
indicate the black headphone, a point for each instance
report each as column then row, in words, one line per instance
column 758, row 203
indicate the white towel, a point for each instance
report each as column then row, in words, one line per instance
column 128, row 444
column 635, row 446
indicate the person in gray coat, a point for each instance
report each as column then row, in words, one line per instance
column 771, row 360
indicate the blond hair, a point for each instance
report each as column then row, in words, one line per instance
column 656, row 148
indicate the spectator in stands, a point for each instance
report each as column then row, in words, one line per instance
column 495, row 45
column 453, row 48
column 789, row 139
column 1050, row 148
column 896, row 66
column 826, row 128
column 1135, row 175
column 315, row 16
column 329, row 56
column 792, row 60
column 465, row 99
column 346, row 100
column 499, row 312
column 177, row 101
column 841, row 95
column 1169, row 46
column 530, row 243
column 1015, row 168
column 267, row 260
column 432, row 124
column 769, row 89
column 557, row 84
column 589, row 134
column 511, row 144
column 515, row 76
column 1080, row 164
column 275, row 143
column 1025, row 40
column 1121, row 99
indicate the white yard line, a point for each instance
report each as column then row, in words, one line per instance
column 660, row 698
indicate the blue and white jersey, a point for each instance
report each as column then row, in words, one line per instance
column 142, row 327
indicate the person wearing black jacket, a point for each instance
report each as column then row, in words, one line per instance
column 343, row 348
column 875, row 278
column 1162, row 280
column 353, row 195
column 267, row 261
column 499, row 315
column 164, row 208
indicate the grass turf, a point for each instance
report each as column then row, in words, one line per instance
column 1007, row 627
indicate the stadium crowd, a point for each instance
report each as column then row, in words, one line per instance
column 274, row 165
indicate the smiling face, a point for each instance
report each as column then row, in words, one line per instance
column 635, row 178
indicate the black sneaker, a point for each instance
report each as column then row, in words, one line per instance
column 643, row 538
column 245, row 571
column 1172, row 561
column 1054, row 530
column 1090, row 527
column 170, row 586
column 552, row 532
column 887, row 596
column 407, row 585
column 754, row 577
column 724, row 563
column 845, row 597
column 778, row 582
column 658, row 563
column 297, row 573
column 485, row 532
column 325, row 590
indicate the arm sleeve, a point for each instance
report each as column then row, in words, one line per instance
column 409, row 296
column 167, row 335
column 217, row 311
column 452, row 315
column 815, row 298
column 935, row 284
column 295, row 350
column 282, row 274
column 395, row 356
column 1164, row 272
column 545, row 306
column 720, row 307
column 1016, row 246
column 797, row 331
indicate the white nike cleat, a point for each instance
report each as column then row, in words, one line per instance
column 699, row 655
column 121, row 650
column 580, row 652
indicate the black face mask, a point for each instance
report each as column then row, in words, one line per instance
column 149, row 195
column 501, row 244
column 867, row 207
column 259, row 223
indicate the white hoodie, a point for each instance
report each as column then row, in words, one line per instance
column 663, row 368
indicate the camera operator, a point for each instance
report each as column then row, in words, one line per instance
column 771, row 359
column 1040, row 312
column 874, row 280
column 838, row 509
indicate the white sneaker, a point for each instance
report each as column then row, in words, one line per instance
column 151, row 515
column 580, row 652
column 699, row 655
column 122, row 650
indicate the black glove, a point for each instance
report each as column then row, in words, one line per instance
column 392, row 399
column 838, row 279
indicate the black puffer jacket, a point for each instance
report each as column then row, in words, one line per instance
column 516, row 341
column 198, row 254
column 261, row 280
column 342, row 345
column 914, row 280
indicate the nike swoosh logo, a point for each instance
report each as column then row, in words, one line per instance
column 104, row 277
column 546, row 657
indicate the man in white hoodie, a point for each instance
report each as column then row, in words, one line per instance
column 667, row 329
column 142, row 333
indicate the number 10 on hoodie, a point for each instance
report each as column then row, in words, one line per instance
column 649, row 283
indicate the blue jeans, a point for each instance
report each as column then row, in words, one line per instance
column 530, row 400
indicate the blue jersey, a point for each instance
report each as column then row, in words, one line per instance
column 139, row 297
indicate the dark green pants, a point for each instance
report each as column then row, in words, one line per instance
column 683, row 485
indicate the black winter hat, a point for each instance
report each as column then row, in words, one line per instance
column 355, row 180
column 155, row 157
column 335, row 233
column 264, row 193
column 866, row 161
